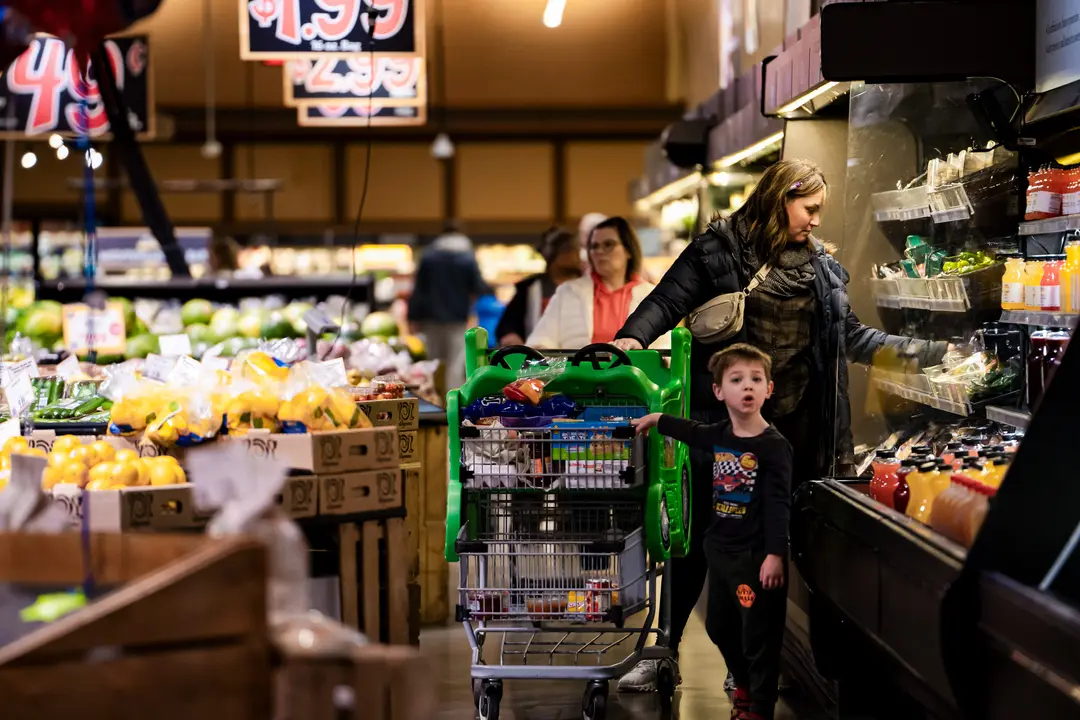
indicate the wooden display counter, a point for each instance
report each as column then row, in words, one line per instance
column 183, row 634
column 425, row 501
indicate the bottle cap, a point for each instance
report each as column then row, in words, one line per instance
column 945, row 467
column 928, row 467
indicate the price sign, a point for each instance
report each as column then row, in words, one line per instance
column 357, row 115
column 20, row 394
column 395, row 80
column 175, row 345
column 8, row 371
column 158, row 367
column 102, row 330
column 68, row 368
column 46, row 87
column 283, row 29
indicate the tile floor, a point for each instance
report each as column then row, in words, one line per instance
column 700, row 697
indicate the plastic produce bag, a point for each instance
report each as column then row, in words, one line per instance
column 316, row 400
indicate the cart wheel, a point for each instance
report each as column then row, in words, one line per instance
column 477, row 690
column 665, row 685
column 594, row 703
column 490, row 695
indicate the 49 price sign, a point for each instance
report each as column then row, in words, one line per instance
column 46, row 85
column 283, row 29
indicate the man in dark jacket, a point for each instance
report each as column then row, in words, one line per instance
column 447, row 284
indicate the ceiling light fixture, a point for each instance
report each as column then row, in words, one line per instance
column 55, row 141
column 806, row 97
column 753, row 151
column 553, row 13
column 62, row 152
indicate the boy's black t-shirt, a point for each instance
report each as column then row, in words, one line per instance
column 751, row 484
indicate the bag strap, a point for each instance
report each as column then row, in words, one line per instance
column 758, row 278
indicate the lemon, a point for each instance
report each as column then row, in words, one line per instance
column 181, row 476
column 143, row 470
column 101, row 483
column 51, row 477
column 33, row 452
column 162, row 474
column 5, row 461
column 101, row 451
column 65, row 444
column 81, row 453
column 125, row 456
column 102, row 473
column 125, row 475
column 73, row 471
column 15, row 444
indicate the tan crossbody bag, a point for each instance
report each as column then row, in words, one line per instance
column 722, row 317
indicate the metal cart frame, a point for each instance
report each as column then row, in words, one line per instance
column 561, row 530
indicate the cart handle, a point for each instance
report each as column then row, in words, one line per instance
column 499, row 356
column 592, row 353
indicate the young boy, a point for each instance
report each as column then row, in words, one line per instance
column 746, row 544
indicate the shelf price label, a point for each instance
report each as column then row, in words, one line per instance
column 45, row 86
column 282, row 29
column 357, row 115
column 102, row 330
column 395, row 80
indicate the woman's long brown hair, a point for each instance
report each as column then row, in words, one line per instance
column 765, row 211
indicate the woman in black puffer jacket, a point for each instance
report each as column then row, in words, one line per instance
column 799, row 314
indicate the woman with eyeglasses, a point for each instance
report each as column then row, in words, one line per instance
column 593, row 308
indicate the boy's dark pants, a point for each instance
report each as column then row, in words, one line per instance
column 747, row 623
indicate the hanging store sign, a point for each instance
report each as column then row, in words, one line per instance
column 361, row 115
column 396, row 80
column 1057, row 44
column 45, row 84
column 283, row 29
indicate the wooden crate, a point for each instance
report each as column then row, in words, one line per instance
column 184, row 635
column 373, row 565
column 429, row 524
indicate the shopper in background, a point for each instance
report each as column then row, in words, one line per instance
column 448, row 282
column 798, row 313
column 586, row 225
column 592, row 308
column 562, row 253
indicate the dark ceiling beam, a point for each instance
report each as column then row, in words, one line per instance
column 279, row 125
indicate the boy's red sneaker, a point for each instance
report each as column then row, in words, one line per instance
column 740, row 704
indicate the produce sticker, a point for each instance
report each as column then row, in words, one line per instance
column 394, row 80
column 46, row 87
column 102, row 330
column 283, row 29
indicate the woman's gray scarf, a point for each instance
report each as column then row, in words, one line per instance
column 792, row 273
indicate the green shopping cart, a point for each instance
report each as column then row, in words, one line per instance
column 561, row 527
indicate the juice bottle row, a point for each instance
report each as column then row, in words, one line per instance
column 1043, row 285
column 1053, row 192
column 950, row 492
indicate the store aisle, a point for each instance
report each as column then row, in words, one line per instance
column 701, row 696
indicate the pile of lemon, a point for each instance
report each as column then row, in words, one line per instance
column 98, row 465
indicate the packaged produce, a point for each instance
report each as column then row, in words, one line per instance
column 526, row 390
column 313, row 403
column 251, row 407
column 1012, row 285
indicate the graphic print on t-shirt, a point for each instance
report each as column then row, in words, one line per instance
column 734, row 475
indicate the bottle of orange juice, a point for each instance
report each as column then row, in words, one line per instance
column 1012, row 284
column 1033, row 272
column 1070, row 278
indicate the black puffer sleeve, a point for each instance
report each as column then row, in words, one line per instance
column 685, row 286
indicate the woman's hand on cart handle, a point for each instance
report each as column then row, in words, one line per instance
column 772, row 572
column 643, row 425
column 627, row 344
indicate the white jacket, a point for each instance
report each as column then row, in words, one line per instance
column 567, row 324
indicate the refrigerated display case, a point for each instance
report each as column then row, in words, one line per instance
column 931, row 214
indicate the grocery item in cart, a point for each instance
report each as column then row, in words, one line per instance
column 589, row 455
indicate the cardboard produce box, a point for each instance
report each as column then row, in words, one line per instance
column 44, row 440
column 165, row 507
column 402, row 414
column 299, row 497
column 378, row 491
column 408, row 447
column 335, row 451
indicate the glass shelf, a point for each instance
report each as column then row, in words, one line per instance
column 1008, row 416
column 1039, row 319
column 1050, row 225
